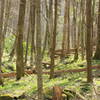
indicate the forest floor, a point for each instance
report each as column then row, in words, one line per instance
column 26, row 88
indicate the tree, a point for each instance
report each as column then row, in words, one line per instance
column 68, row 38
column 7, row 14
column 65, row 32
column 50, row 19
column 47, row 34
column 75, row 29
column 27, row 43
column 19, row 47
column 88, row 40
column 32, row 29
column 12, row 53
column 53, row 44
column 82, row 27
column 27, row 32
column 1, row 35
column 93, row 20
column 97, row 53
column 38, row 57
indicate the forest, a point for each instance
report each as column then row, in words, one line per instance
column 49, row 49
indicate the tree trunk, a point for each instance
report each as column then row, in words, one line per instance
column 68, row 38
column 19, row 47
column 1, row 35
column 82, row 27
column 97, row 53
column 27, row 43
column 65, row 31
column 51, row 25
column 93, row 16
column 7, row 14
column 53, row 46
column 88, row 40
column 12, row 53
column 32, row 20
column 38, row 51
column 47, row 34
column 74, row 29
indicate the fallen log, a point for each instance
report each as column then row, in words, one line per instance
column 60, row 50
column 13, row 74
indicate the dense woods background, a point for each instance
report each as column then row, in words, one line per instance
column 55, row 40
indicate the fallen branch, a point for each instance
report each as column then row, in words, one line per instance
column 13, row 74
column 73, row 94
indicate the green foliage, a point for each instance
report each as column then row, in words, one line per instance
column 69, row 64
column 9, row 40
column 85, row 88
column 28, row 84
column 96, row 62
column 18, row 87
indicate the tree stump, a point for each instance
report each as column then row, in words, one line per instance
column 57, row 93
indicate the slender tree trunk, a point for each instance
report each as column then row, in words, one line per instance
column 93, row 13
column 65, row 31
column 97, row 53
column 74, row 29
column 38, row 51
column 27, row 43
column 12, row 53
column 19, row 47
column 7, row 14
column 53, row 42
column 47, row 34
column 1, row 35
column 68, row 38
column 88, row 40
column 82, row 27
column 32, row 20
column 51, row 25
